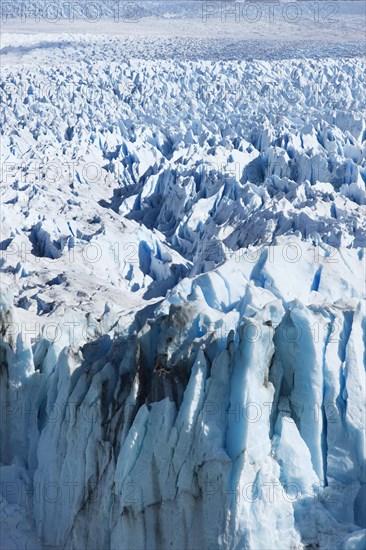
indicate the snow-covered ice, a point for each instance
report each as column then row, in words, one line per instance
column 182, row 299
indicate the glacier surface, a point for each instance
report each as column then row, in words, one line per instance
column 182, row 300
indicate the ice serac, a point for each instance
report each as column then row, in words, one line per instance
column 213, row 417
column 182, row 341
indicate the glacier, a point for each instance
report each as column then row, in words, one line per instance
column 182, row 306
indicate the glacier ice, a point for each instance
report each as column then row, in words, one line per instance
column 183, row 304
